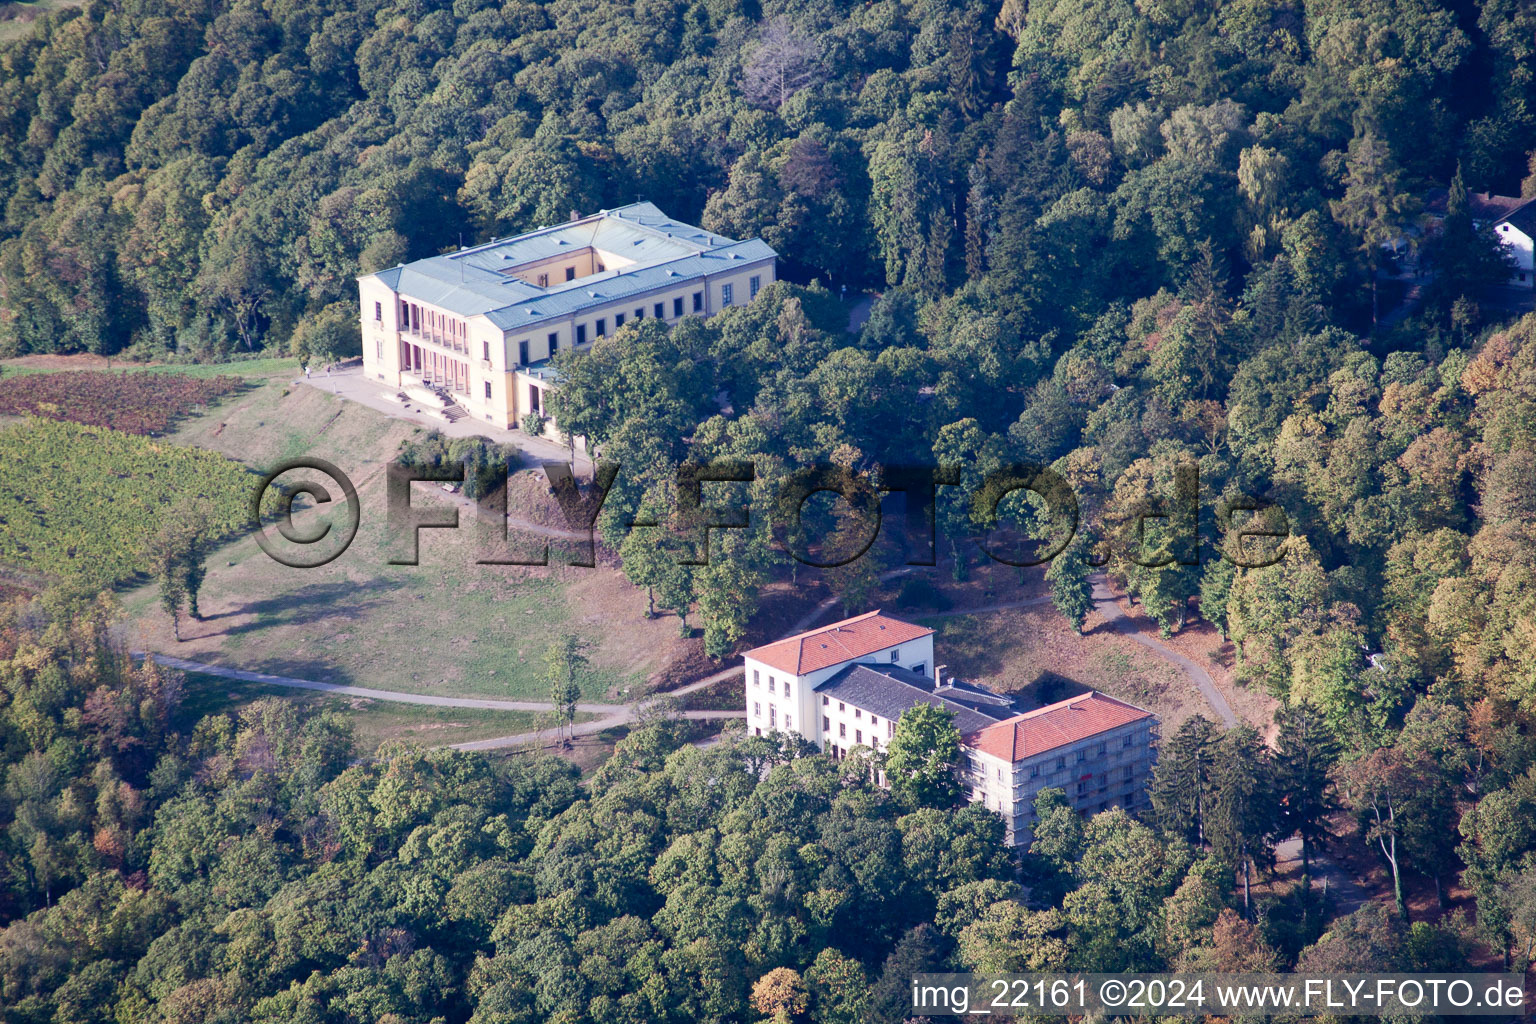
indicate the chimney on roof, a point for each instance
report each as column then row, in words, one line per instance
column 937, row 671
column 575, row 215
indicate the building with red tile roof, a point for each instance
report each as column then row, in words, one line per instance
column 847, row 684
column 837, row 644
column 784, row 679
column 1096, row 749
column 1055, row 725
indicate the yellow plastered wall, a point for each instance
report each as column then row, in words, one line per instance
column 379, row 315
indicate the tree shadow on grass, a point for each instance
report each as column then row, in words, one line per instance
column 1048, row 688
column 1106, row 625
column 206, row 695
column 963, row 650
column 309, row 669
column 330, row 602
column 216, row 616
column 779, row 609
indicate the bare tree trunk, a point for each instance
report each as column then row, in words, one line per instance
column 1388, row 844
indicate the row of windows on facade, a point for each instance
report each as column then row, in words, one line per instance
column 1061, row 762
column 826, row 701
column 727, row 298
column 826, row 723
column 1127, row 773
column 1029, row 816
column 757, row 677
column 773, row 718
column 452, row 332
column 757, row 680
column 1084, row 786
column 858, row 734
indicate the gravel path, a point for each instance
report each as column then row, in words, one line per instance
column 613, row 715
column 609, row 715
column 1104, row 601
column 1348, row 894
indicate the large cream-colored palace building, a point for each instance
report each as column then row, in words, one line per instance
column 483, row 322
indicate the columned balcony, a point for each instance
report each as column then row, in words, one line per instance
column 433, row 367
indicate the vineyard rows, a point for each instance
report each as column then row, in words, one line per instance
column 139, row 403
column 80, row 501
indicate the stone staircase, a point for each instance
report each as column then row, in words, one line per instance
column 433, row 404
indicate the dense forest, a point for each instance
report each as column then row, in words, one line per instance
column 1118, row 239
column 206, row 177
column 249, row 869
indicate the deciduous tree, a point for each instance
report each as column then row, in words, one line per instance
column 923, row 757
